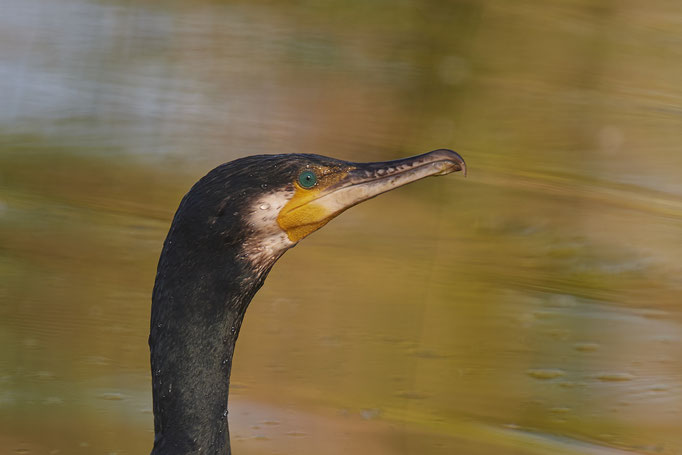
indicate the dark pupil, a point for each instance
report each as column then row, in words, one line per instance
column 307, row 179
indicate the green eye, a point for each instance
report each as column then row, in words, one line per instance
column 307, row 179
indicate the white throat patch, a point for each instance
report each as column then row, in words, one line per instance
column 269, row 241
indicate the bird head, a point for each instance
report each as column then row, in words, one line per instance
column 323, row 188
column 268, row 203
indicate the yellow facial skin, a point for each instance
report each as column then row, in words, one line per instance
column 302, row 216
column 343, row 186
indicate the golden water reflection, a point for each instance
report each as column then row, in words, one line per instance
column 533, row 307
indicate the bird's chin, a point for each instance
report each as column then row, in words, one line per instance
column 308, row 212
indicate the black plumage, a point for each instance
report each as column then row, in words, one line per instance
column 213, row 262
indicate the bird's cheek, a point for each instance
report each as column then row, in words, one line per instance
column 303, row 220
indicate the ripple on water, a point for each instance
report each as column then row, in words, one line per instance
column 111, row 396
column 411, row 395
column 570, row 384
column 46, row 375
column 97, row 361
column 296, row 434
column 426, row 354
column 545, row 373
column 614, row 376
column 659, row 387
column 52, row 401
column 560, row 410
column 586, row 347
column 369, row 414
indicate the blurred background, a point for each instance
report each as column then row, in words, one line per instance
column 533, row 307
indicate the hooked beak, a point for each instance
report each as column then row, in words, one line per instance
column 368, row 180
column 308, row 212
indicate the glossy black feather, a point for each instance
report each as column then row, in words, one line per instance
column 203, row 287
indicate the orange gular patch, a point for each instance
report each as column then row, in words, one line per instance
column 303, row 215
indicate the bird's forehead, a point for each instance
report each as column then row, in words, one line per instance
column 324, row 164
column 279, row 171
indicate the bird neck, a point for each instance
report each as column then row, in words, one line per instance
column 198, row 305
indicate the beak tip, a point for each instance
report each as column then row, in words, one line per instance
column 454, row 158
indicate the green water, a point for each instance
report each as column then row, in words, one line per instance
column 533, row 307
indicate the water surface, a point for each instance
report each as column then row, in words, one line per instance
column 533, row 307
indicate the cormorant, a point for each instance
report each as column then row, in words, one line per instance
column 228, row 232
